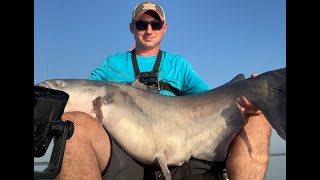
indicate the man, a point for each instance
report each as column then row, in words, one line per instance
column 91, row 153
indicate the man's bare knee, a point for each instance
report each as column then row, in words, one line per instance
column 78, row 117
column 88, row 130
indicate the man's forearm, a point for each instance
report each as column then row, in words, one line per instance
column 249, row 151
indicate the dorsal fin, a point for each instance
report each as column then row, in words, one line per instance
column 236, row 78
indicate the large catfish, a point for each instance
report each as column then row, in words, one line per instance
column 164, row 130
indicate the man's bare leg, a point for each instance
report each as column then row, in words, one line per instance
column 87, row 151
column 249, row 151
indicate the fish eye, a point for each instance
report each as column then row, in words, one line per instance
column 60, row 83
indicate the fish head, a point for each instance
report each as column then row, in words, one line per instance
column 67, row 85
column 75, row 87
column 81, row 92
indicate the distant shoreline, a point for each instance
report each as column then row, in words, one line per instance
column 277, row 154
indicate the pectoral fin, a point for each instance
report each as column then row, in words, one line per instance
column 163, row 164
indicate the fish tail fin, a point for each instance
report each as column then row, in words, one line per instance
column 275, row 107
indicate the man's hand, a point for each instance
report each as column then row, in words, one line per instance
column 247, row 107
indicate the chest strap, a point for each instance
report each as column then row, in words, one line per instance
column 151, row 77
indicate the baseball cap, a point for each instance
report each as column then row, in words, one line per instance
column 141, row 8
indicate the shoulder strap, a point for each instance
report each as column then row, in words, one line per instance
column 157, row 63
column 168, row 87
column 162, row 85
column 135, row 62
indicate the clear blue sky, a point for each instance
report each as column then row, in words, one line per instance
column 219, row 38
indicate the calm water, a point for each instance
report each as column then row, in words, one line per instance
column 277, row 168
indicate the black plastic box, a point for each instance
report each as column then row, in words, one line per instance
column 49, row 106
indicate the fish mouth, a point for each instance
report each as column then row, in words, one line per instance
column 46, row 85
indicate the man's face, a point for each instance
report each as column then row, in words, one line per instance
column 148, row 38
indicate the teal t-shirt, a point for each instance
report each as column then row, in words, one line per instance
column 174, row 69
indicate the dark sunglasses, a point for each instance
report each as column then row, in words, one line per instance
column 143, row 25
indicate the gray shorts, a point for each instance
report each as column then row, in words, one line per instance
column 122, row 167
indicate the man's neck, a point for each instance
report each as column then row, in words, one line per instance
column 149, row 52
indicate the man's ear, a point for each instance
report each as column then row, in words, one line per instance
column 131, row 27
column 164, row 27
